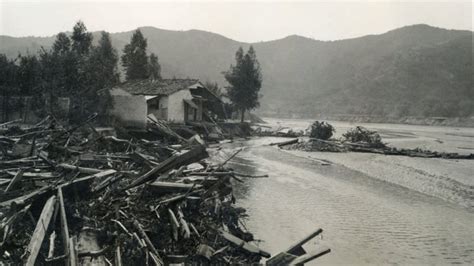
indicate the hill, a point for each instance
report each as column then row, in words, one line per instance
column 416, row 70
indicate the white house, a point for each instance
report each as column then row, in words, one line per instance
column 173, row 100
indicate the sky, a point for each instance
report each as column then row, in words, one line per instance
column 246, row 21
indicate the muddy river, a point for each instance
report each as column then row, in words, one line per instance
column 367, row 218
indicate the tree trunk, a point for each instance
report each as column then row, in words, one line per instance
column 242, row 117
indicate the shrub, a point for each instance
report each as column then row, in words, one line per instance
column 321, row 130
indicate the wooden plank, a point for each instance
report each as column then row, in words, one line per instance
column 245, row 245
column 294, row 249
column 281, row 258
column 310, row 256
column 15, row 179
column 85, row 170
column 23, row 200
column 64, row 225
column 88, row 178
column 167, row 187
column 40, row 230
column 72, row 253
column 118, row 257
column 196, row 154
column 148, row 242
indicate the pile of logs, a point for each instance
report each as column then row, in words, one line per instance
column 81, row 196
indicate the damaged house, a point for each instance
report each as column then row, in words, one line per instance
column 172, row 100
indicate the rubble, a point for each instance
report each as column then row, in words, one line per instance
column 79, row 196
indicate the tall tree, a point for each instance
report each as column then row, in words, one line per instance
column 81, row 39
column 245, row 81
column 29, row 75
column 134, row 58
column 8, row 83
column 154, row 68
column 102, row 68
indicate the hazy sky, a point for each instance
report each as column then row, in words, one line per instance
column 247, row 21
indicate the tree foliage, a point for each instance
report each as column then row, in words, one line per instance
column 245, row 81
column 134, row 58
column 154, row 68
column 72, row 68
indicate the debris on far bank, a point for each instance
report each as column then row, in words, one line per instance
column 358, row 139
column 85, row 195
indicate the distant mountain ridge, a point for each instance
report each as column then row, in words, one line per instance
column 415, row 70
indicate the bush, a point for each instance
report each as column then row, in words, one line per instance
column 321, row 130
column 361, row 134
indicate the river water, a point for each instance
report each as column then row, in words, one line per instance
column 366, row 220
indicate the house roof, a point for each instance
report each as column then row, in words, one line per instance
column 156, row 87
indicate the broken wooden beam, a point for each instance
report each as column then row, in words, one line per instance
column 64, row 224
column 40, row 230
column 195, row 154
column 15, row 179
column 84, row 170
column 148, row 242
column 170, row 187
column 243, row 244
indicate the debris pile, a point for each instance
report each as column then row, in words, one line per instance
column 360, row 139
column 267, row 131
column 364, row 136
column 83, row 195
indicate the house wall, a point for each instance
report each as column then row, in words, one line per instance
column 176, row 105
column 130, row 110
column 159, row 107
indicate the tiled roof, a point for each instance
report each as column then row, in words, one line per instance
column 156, row 87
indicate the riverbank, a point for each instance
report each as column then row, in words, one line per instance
column 366, row 220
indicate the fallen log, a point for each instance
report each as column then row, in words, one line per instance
column 284, row 143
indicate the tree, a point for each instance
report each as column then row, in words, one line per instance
column 8, row 83
column 29, row 75
column 154, row 68
column 62, row 44
column 134, row 58
column 245, row 81
column 81, row 39
column 103, row 72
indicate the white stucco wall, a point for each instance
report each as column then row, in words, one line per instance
column 176, row 105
